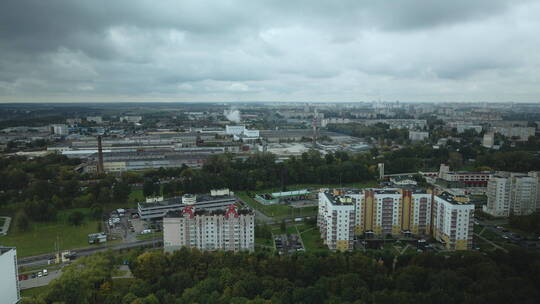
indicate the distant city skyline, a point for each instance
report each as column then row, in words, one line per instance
column 270, row 51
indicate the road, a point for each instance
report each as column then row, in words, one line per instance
column 41, row 260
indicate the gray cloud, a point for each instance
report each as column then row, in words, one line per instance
column 269, row 50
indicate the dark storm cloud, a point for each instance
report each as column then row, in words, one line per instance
column 279, row 50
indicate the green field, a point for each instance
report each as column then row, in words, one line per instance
column 149, row 236
column 284, row 211
column 278, row 210
column 312, row 239
column 136, row 195
column 264, row 242
column 31, row 292
column 41, row 238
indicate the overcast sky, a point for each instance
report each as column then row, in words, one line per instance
column 262, row 50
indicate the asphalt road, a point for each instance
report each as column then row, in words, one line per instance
column 43, row 259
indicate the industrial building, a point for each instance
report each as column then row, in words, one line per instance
column 375, row 213
column 512, row 194
column 464, row 179
column 277, row 197
column 156, row 209
column 229, row 229
column 9, row 278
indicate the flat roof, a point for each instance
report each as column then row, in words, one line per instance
column 177, row 200
column 5, row 249
column 335, row 199
column 450, row 198
column 178, row 213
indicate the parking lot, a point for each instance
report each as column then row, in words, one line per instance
column 128, row 226
column 288, row 243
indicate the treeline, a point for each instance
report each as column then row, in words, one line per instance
column 36, row 189
column 263, row 170
column 528, row 223
column 191, row 276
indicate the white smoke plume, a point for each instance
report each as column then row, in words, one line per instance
column 232, row 115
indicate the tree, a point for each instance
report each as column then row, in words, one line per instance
column 283, row 226
column 121, row 192
column 22, row 221
column 76, row 218
column 149, row 188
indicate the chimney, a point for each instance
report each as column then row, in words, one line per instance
column 100, row 168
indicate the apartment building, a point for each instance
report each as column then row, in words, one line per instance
column 453, row 222
column 418, row 135
column 9, row 282
column 377, row 212
column 512, row 194
column 336, row 220
column 229, row 229
column 393, row 211
column 520, row 133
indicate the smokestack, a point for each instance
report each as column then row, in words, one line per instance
column 100, row 168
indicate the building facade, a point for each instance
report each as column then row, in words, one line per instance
column 512, row 194
column 336, row 220
column 418, row 135
column 229, row 229
column 376, row 213
column 9, row 281
column 453, row 222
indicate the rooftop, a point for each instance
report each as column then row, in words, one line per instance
column 201, row 212
column 5, row 249
column 177, row 200
column 450, row 198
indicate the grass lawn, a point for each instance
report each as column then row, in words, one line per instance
column 264, row 242
column 149, row 236
column 284, row 211
column 136, row 195
column 483, row 245
column 312, row 240
column 41, row 238
column 278, row 210
column 33, row 291
column 477, row 228
column 492, row 236
column 290, row 229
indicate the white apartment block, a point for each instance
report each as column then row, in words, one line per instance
column 418, row 135
column 453, row 222
column 522, row 133
column 512, row 194
column 336, row 219
column 9, row 281
column 379, row 212
column 498, row 196
column 227, row 229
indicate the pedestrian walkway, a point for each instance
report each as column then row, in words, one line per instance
column 5, row 228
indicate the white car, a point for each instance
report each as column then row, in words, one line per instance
column 40, row 274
